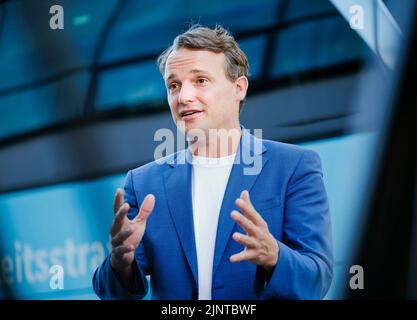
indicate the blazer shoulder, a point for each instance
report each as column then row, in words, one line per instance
column 155, row 166
column 288, row 151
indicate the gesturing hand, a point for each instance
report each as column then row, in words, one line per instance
column 126, row 234
column 261, row 247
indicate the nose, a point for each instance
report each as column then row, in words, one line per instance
column 186, row 94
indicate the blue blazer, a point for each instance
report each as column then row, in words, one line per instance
column 289, row 194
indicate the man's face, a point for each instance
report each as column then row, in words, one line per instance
column 198, row 91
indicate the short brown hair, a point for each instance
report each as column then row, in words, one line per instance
column 217, row 40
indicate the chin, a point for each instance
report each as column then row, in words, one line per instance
column 195, row 124
column 196, row 129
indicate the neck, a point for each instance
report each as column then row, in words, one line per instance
column 217, row 143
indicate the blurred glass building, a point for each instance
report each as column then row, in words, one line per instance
column 80, row 106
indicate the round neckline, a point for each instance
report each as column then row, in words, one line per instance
column 212, row 161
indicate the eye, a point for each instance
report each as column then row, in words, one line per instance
column 172, row 86
column 202, row 80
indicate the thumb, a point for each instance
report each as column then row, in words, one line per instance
column 118, row 200
column 146, row 208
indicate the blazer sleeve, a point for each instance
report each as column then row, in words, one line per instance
column 305, row 263
column 105, row 282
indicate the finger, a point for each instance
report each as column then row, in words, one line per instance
column 244, row 222
column 245, row 240
column 121, row 250
column 241, row 256
column 122, row 213
column 146, row 208
column 121, row 236
column 249, row 211
column 119, row 219
column 245, row 196
column 118, row 200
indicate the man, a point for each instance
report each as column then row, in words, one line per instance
column 205, row 229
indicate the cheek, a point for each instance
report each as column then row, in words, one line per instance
column 224, row 100
column 173, row 103
column 211, row 97
column 203, row 97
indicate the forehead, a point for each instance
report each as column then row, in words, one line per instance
column 184, row 60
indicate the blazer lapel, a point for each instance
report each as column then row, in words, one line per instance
column 239, row 180
column 178, row 192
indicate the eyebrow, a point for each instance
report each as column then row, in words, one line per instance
column 194, row 71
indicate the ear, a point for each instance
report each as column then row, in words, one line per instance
column 241, row 87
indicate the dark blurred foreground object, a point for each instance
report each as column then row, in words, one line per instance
column 388, row 247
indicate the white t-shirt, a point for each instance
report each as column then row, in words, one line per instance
column 209, row 181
